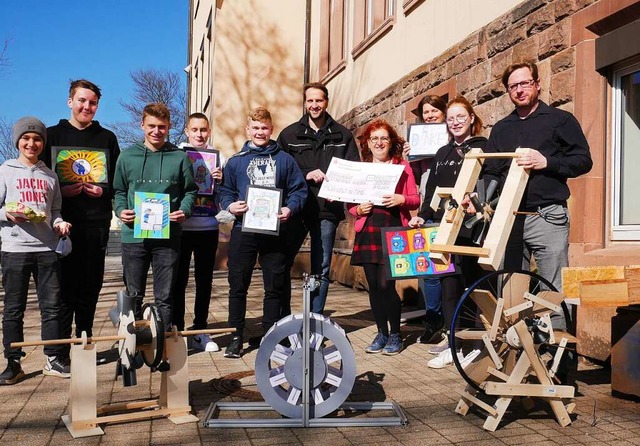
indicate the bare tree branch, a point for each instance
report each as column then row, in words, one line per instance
column 4, row 60
column 7, row 149
column 151, row 85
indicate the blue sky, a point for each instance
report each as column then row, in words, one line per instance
column 52, row 41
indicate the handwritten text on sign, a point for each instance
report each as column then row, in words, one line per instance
column 357, row 182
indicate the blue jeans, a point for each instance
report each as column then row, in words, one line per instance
column 17, row 268
column 162, row 256
column 323, row 235
column 432, row 292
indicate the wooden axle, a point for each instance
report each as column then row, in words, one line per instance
column 474, row 156
column 138, row 324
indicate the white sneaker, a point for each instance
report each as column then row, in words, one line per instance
column 440, row 346
column 204, row 343
column 464, row 362
column 443, row 359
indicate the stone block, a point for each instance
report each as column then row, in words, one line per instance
column 554, row 39
column 490, row 91
column 499, row 62
column 527, row 49
column 563, row 60
column 505, row 40
column 540, row 20
column 474, row 78
column 562, row 87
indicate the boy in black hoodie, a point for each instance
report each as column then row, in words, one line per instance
column 86, row 206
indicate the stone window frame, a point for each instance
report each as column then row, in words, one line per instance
column 332, row 54
column 372, row 19
column 619, row 231
column 409, row 5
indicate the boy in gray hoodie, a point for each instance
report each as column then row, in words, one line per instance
column 30, row 224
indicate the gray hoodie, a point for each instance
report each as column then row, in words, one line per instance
column 37, row 187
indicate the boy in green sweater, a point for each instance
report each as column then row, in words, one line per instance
column 154, row 166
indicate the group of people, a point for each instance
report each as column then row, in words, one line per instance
column 297, row 164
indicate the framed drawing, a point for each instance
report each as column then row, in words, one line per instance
column 152, row 215
column 203, row 161
column 408, row 252
column 425, row 139
column 264, row 206
column 80, row 165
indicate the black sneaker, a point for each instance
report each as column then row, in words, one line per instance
column 434, row 324
column 12, row 374
column 254, row 341
column 57, row 366
column 234, row 350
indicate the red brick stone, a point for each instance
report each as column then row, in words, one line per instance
column 562, row 87
column 563, row 60
column 505, row 40
column 540, row 20
column 554, row 39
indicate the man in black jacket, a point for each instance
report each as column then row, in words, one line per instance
column 313, row 141
column 86, row 205
column 559, row 151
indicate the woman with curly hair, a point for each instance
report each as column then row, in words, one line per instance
column 380, row 143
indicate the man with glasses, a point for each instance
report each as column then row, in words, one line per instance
column 313, row 141
column 559, row 151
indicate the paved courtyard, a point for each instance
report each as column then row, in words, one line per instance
column 30, row 411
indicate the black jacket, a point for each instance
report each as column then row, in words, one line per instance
column 444, row 173
column 314, row 150
column 83, row 209
column 557, row 135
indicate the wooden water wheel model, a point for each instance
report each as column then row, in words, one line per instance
column 502, row 324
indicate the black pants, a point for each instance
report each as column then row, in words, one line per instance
column 82, row 277
column 384, row 299
column 203, row 246
column 270, row 250
column 17, row 268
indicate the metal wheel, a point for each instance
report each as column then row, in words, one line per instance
column 279, row 369
column 150, row 341
column 482, row 335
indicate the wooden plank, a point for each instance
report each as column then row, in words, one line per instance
column 439, row 194
column 498, row 374
column 513, row 289
column 503, row 155
column 632, row 274
column 541, row 372
column 546, row 300
column 497, row 320
column 478, row 402
column 503, row 218
column 604, row 293
column 573, row 276
column 492, row 352
column 518, row 308
column 462, row 250
column 487, row 305
column 470, row 335
column 537, row 390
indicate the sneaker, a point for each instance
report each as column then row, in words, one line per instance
column 440, row 346
column 255, row 341
column 434, row 324
column 442, row 360
column 57, row 366
column 12, row 374
column 234, row 350
column 465, row 361
column 204, row 343
column 378, row 344
column 394, row 345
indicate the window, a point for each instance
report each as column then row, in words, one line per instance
column 332, row 53
column 626, row 153
column 372, row 19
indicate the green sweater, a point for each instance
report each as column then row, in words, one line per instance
column 167, row 171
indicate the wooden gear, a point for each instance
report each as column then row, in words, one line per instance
column 84, row 417
column 505, row 319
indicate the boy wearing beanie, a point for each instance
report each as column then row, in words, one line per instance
column 30, row 224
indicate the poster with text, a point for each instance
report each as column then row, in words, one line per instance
column 152, row 215
column 425, row 139
column 359, row 182
column 408, row 252
column 80, row 165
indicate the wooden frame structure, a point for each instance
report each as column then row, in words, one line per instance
column 492, row 250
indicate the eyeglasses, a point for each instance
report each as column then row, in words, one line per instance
column 525, row 85
column 458, row 119
column 381, row 139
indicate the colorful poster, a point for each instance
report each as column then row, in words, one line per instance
column 408, row 252
column 264, row 205
column 152, row 215
column 80, row 165
column 203, row 162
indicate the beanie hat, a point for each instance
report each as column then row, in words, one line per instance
column 26, row 125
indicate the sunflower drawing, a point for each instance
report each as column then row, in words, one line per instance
column 75, row 166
